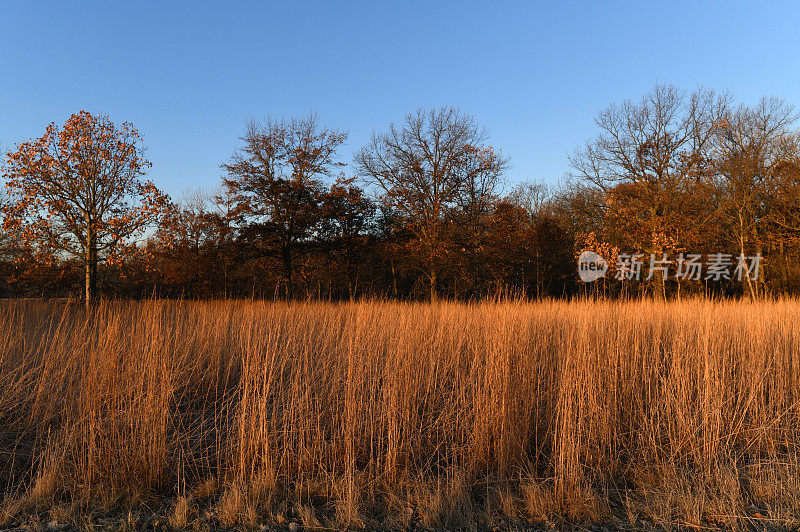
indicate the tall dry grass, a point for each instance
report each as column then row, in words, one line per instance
column 400, row 414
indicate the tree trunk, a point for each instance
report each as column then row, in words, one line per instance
column 287, row 271
column 91, row 264
column 476, row 291
column 394, row 279
column 784, row 269
column 432, row 278
column 746, row 281
column 659, row 282
column 759, row 287
column 660, row 288
column 538, row 282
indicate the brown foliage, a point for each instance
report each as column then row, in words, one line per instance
column 76, row 192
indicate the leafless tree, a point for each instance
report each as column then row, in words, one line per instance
column 532, row 196
column 425, row 167
column 652, row 153
column 752, row 148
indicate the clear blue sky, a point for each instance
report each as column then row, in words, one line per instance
column 189, row 75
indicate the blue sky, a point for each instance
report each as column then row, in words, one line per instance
column 189, row 75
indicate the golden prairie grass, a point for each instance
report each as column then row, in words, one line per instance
column 402, row 415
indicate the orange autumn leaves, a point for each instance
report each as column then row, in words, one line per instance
column 78, row 191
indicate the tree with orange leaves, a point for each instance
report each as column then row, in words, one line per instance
column 77, row 192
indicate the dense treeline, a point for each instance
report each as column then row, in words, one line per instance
column 425, row 209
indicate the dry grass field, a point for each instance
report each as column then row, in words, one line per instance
column 378, row 414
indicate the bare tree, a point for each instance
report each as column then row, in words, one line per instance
column 651, row 154
column 277, row 179
column 422, row 167
column 532, row 196
column 752, row 148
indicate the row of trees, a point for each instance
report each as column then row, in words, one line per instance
column 694, row 173
column 423, row 210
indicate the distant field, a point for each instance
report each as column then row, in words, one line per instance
column 401, row 415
